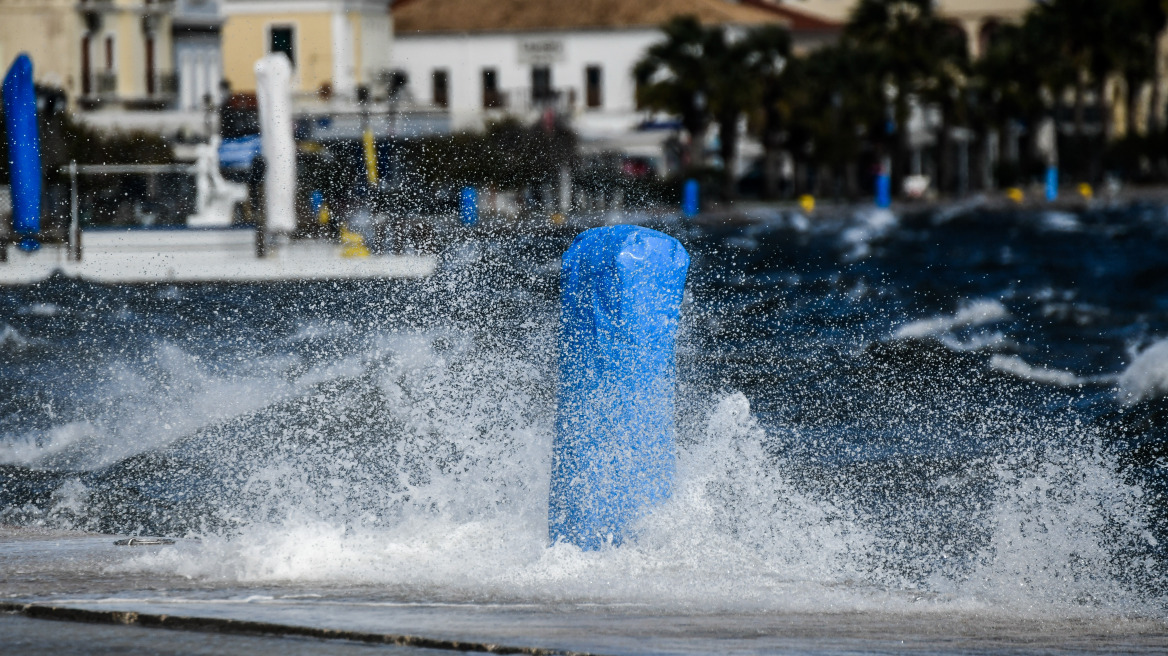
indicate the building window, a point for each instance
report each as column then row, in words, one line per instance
column 441, row 88
column 541, row 84
column 86, row 70
column 593, row 83
column 398, row 81
column 150, row 78
column 282, row 38
column 109, row 53
column 491, row 95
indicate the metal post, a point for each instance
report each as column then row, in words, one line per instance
column 74, row 215
column 963, row 168
column 261, row 237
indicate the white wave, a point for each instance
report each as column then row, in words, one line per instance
column 32, row 447
column 737, row 534
column 40, row 309
column 316, row 330
column 1016, row 366
column 951, row 211
column 484, row 535
column 11, row 337
column 976, row 313
column 871, row 225
column 743, row 242
column 1061, row 222
column 149, row 404
column 170, row 293
column 1147, row 375
column 976, row 342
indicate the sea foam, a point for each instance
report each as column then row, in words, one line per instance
column 1147, row 375
column 971, row 314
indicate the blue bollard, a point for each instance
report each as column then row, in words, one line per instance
column 689, row 199
column 24, row 150
column 1052, row 183
column 613, row 454
column 883, row 190
column 468, row 206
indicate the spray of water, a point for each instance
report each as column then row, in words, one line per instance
column 416, row 461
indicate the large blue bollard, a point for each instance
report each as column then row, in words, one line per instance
column 613, row 456
column 24, row 149
column 690, row 199
column 468, row 206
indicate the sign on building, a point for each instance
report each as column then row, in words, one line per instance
column 541, row 51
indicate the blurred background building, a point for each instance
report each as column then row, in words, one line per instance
column 963, row 93
column 335, row 45
column 100, row 52
column 479, row 60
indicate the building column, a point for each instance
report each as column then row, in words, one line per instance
column 343, row 81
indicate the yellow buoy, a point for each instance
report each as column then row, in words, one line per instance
column 352, row 244
column 558, row 219
column 807, row 202
column 1015, row 194
column 1086, row 191
column 370, row 157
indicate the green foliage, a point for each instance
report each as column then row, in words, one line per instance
column 507, row 155
column 64, row 139
column 852, row 100
column 675, row 75
column 713, row 75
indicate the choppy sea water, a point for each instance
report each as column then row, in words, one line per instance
column 945, row 411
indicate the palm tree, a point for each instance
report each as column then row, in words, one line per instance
column 1008, row 82
column 673, row 77
column 830, row 112
column 741, row 67
column 714, row 73
column 1135, row 26
column 769, row 59
column 912, row 46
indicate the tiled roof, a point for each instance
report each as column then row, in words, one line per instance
column 423, row 16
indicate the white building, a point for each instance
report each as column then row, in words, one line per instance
column 479, row 59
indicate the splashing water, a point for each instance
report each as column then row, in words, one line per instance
column 398, row 436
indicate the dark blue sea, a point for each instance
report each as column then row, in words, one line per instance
column 954, row 409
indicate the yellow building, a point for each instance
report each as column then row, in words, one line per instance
column 101, row 52
column 334, row 45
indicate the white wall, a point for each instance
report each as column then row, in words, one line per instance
column 465, row 56
column 376, row 45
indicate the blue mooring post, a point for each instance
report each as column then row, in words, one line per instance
column 468, row 206
column 24, row 151
column 1052, row 183
column 613, row 455
column 690, row 198
column 884, row 185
